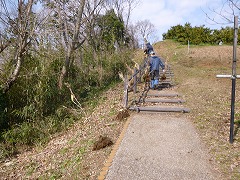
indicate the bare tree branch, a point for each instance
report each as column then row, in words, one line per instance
column 225, row 14
column 24, row 29
column 145, row 28
column 71, row 43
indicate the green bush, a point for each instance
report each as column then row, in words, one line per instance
column 3, row 109
column 199, row 35
column 23, row 134
column 37, row 108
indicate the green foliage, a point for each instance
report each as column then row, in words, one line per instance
column 199, row 35
column 3, row 109
column 33, row 133
column 35, row 93
column 23, row 134
column 111, row 30
column 37, row 108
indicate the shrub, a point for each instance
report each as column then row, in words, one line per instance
column 36, row 108
column 3, row 109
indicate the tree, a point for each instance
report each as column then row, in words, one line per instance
column 132, row 36
column 68, row 18
column 198, row 35
column 4, row 42
column 19, row 28
column 145, row 29
column 225, row 15
column 111, row 30
column 226, row 34
column 123, row 8
column 91, row 24
column 178, row 33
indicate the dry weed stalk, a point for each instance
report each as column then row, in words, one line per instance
column 74, row 99
column 131, row 72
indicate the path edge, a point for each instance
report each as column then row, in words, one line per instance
column 109, row 161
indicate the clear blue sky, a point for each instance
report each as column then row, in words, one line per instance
column 166, row 13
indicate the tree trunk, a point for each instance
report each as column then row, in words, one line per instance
column 73, row 45
column 14, row 75
column 22, row 24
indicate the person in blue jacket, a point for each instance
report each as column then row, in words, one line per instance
column 148, row 48
column 155, row 63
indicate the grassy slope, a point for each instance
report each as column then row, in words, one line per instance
column 208, row 98
column 69, row 155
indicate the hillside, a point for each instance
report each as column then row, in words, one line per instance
column 69, row 155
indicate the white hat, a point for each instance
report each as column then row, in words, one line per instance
column 152, row 53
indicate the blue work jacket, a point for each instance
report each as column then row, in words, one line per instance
column 156, row 63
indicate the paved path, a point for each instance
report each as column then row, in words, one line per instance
column 159, row 146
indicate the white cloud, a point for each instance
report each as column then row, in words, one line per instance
column 166, row 13
column 147, row 10
column 186, row 3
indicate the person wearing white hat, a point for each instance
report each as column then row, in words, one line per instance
column 155, row 63
column 148, row 48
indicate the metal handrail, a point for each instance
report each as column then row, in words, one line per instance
column 136, row 81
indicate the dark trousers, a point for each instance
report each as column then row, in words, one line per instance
column 154, row 75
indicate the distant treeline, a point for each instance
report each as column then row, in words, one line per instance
column 199, row 35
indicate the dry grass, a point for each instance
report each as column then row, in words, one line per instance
column 70, row 156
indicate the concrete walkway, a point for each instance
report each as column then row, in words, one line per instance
column 159, row 146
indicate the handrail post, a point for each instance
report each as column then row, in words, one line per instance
column 135, row 81
column 125, row 100
column 140, row 74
